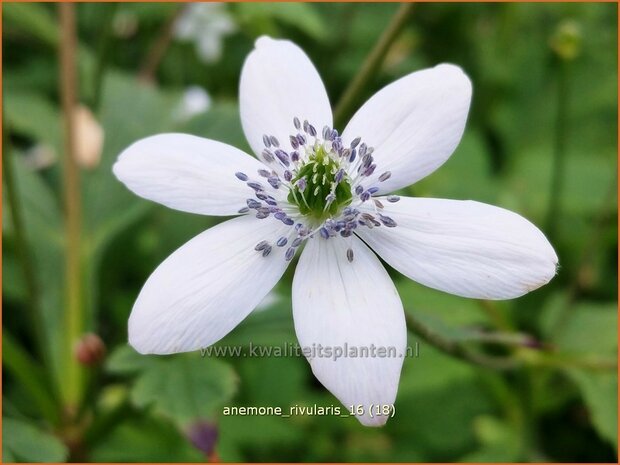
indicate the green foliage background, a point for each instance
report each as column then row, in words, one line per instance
column 561, row 406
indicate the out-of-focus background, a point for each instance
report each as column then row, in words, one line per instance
column 541, row 140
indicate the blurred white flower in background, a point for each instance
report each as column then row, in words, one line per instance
column 194, row 102
column 206, row 24
column 40, row 156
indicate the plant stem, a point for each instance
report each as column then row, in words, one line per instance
column 371, row 64
column 520, row 357
column 158, row 49
column 72, row 385
column 559, row 151
column 22, row 249
column 457, row 349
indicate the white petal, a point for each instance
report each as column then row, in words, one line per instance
column 465, row 248
column 414, row 124
column 205, row 288
column 342, row 305
column 278, row 83
column 187, row 173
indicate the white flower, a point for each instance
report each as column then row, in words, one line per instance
column 195, row 101
column 206, row 24
column 328, row 191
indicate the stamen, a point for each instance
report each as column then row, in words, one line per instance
column 324, row 182
column 385, row 176
column 268, row 156
column 387, row 221
column 262, row 245
column 283, row 157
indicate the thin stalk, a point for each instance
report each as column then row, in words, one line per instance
column 559, row 151
column 519, row 358
column 371, row 64
column 23, row 250
column 158, row 49
column 457, row 349
column 73, row 318
column 597, row 228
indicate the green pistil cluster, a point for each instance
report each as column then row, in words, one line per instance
column 319, row 172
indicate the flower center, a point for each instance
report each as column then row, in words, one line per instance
column 325, row 188
column 327, row 185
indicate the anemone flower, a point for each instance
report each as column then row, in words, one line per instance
column 332, row 193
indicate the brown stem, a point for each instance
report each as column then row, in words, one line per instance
column 458, row 350
column 158, row 49
column 371, row 64
column 72, row 202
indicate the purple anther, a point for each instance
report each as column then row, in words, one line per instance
column 283, row 157
column 241, row 176
column 262, row 245
column 385, row 176
column 387, row 221
column 294, row 142
column 268, row 156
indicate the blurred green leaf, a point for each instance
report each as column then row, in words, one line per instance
column 145, row 439
column 44, row 236
column 600, row 393
column 30, row 114
column 24, row 442
column 302, row 16
column 591, row 329
column 500, row 442
column 33, row 18
column 184, row 387
column 125, row 360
